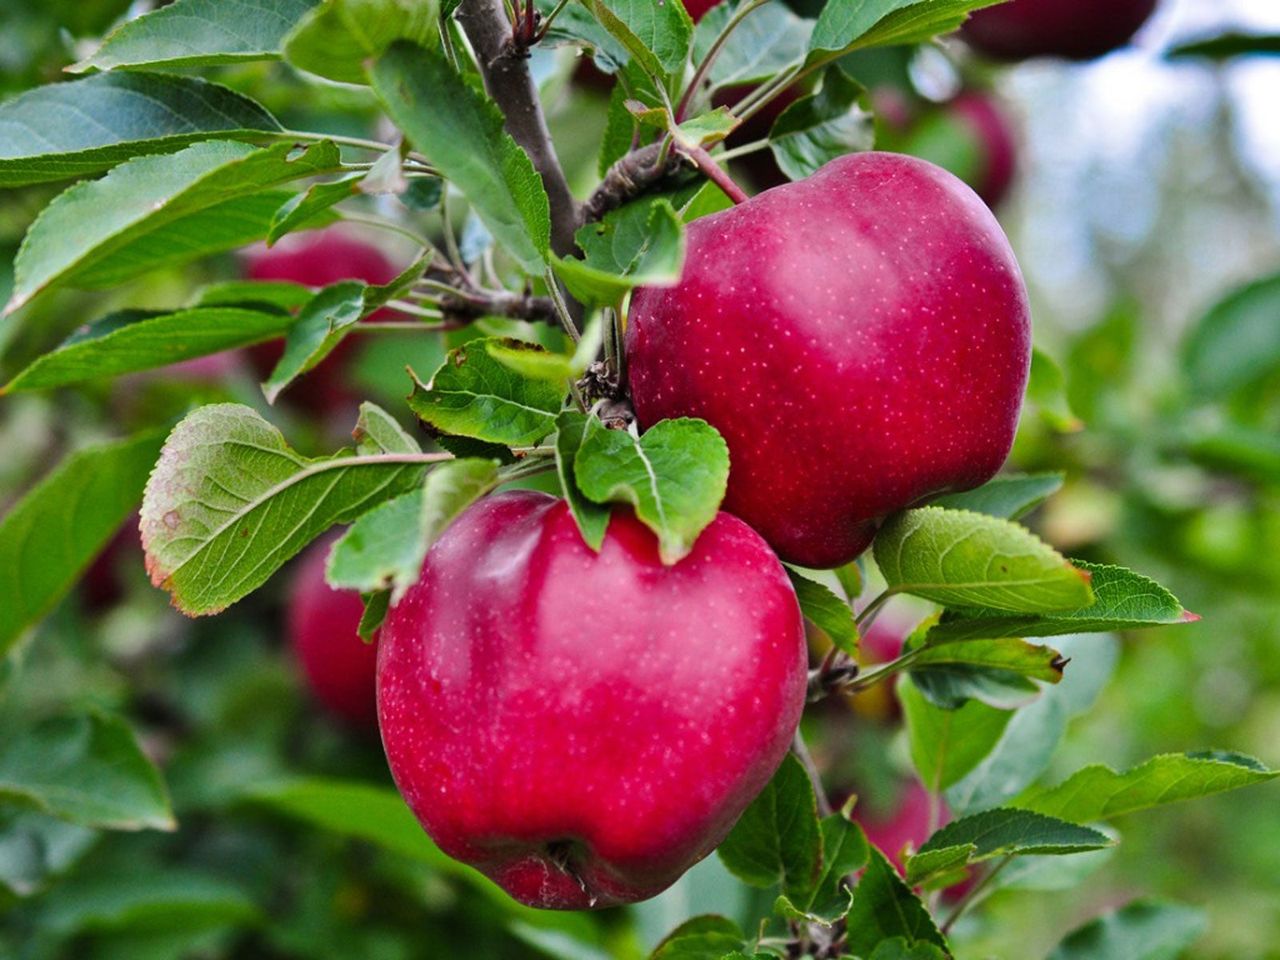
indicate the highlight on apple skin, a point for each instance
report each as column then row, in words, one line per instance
column 860, row 338
column 583, row 727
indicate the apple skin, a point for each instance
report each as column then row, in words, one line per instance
column 582, row 728
column 860, row 338
column 983, row 120
column 698, row 9
column 1068, row 29
column 316, row 259
column 339, row 667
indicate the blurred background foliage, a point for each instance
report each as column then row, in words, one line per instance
column 1145, row 209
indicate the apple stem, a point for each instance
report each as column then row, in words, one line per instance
column 801, row 751
column 707, row 165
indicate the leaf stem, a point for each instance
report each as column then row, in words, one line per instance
column 562, row 309
column 741, row 151
column 707, row 165
column 801, row 751
column 973, row 894
column 391, row 227
column 704, row 68
column 872, row 610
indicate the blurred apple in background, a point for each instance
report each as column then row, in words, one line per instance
column 316, row 259
column 339, row 667
column 1069, row 29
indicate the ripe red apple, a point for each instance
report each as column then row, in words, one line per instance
column 1072, row 29
column 583, row 727
column 904, row 824
column 861, row 338
column 316, row 259
column 339, row 667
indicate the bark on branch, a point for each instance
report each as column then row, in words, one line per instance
column 635, row 174
column 505, row 69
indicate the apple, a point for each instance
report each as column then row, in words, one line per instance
column 861, row 338
column 101, row 585
column 905, row 823
column 699, row 8
column 580, row 727
column 1071, row 29
column 339, row 667
column 971, row 136
column 316, row 259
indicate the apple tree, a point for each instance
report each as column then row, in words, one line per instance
column 669, row 462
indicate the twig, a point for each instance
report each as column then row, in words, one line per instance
column 632, row 176
column 801, row 750
column 971, row 896
column 508, row 80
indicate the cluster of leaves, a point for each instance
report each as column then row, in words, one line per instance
column 191, row 168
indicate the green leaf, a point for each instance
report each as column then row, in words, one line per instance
column 884, row 908
column 229, row 501
column 674, row 475
column 769, row 40
column 961, row 558
column 224, row 227
column 301, row 208
column 539, row 364
column 1227, row 46
column 1099, row 793
column 280, row 294
column 947, row 744
column 376, row 606
column 475, row 395
column 657, row 35
column 135, row 340
column 826, row 611
column 1010, row 496
column 198, row 33
column 899, row 949
column 702, row 938
column 354, row 809
column 778, row 840
column 1236, row 344
column 998, row 833
column 52, row 534
column 385, row 548
column 145, row 900
column 822, row 126
column 320, row 326
column 1026, row 746
column 1047, row 389
column 846, row 25
column 35, row 848
column 576, row 26
column 89, row 222
column 338, row 39
column 1245, row 451
column 844, row 850
column 997, row 672
column 1124, row 600
column 43, row 135
column 1143, row 930
column 461, row 132
column 88, row 770
column 642, row 243
column 592, row 518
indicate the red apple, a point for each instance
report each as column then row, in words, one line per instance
column 1072, row 29
column 699, row 8
column 102, row 586
column 339, row 667
column 584, row 727
column 861, row 338
column 905, row 824
column 316, row 259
